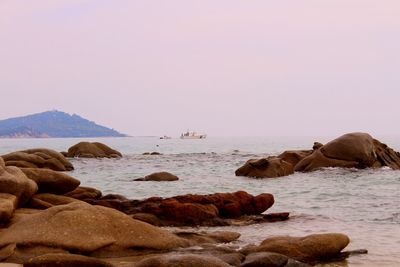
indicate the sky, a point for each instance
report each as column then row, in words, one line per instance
column 222, row 67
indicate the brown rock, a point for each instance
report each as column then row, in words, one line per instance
column 50, row 181
column 186, row 260
column 84, row 193
column 309, row 249
column 265, row 259
column 8, row 203
column 194, row 209
column 13, row 181
column 159, row 176
column 276, row 217
column 294, row 156
column 265, row 168
column 38, row 158
column 44, row 201
column 65, row 260
column 209, row 237
column 84, row 228
column 92, row 150
column 318, row 160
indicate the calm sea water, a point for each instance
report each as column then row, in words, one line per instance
column 364, row 204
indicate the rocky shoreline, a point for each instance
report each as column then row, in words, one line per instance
column 48, row 219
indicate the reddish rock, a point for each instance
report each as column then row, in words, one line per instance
column 192, row 209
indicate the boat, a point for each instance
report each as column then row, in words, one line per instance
column 193, row 135
column 165, row 137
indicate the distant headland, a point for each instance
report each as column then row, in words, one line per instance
column 53, row 124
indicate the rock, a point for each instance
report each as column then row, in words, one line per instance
column 317, row 160
column 159, row 176
column 65, row 260
column 83, row 228
column 294, row 156
column 276, row 217
column 234, row 259
column 186, row 260
column 208, row 237
column 309, row 249
column 13, row 181
column 386, row 156
column 353, row 150
column 38, row 158
column 50, row 181
column 45, row 201
column 8, row 203
column 92, row 150
column 151, row 154
column 211, row 210
column 84, row 193
column 265, row 168
column 317, row 145
column 265, row 259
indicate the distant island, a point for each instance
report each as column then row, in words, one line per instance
column 53, row 124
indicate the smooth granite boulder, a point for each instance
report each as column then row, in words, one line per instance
column 8, row 203
column 159, row 177
column 50, row 181
column 185, row 260
column 353, row 150
column 13, row 181
column 83, row 228
column 310, row 249
column 265, row 168
column 38, row 158
column 92, row 150
column 65, row 260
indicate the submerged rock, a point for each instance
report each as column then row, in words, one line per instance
column 265, row 168
column 92, row 150
column 159, row 176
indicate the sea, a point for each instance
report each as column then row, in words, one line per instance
column 363, row 204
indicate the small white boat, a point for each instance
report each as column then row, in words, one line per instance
column 193, row 135
column 165, row 137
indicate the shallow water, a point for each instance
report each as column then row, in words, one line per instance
column 364, row 204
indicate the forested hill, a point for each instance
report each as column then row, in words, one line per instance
column 53, row 124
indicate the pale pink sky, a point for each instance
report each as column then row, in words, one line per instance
column 223, row 67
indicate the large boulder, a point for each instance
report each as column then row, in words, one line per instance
column 353, row 150
column 265, row 168
column 92, row 150
column 8, row 203
column 85, row 229
column 265, row 259
column 65, row 260
column 38, row 158
column 310, row 249
column 159, row 177
column 13, row 181
column 186, row 260
column 50, row 181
